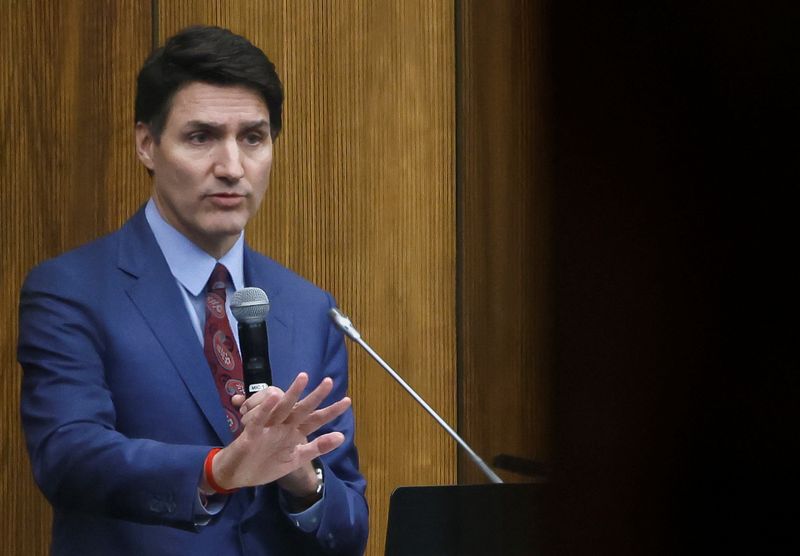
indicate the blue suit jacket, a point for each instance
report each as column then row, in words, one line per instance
column 119, row 407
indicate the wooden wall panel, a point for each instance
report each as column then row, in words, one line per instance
column 362, row 202
column 68, row 175
column 504, row 243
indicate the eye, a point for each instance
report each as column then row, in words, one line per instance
column 253, row 139
column 198, row 138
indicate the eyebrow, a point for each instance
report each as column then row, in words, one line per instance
column 202, row 124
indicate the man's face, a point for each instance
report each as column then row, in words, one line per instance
column 211, row 165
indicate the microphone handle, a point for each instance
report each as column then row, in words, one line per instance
column 255, row 356
column 493, row 477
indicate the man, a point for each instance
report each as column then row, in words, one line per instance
column 132, row 403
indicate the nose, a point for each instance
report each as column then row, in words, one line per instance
column 228, row 161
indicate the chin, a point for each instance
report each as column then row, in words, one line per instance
column 227, row 231
column 226, row 224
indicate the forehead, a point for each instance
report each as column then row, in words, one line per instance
column 221, row 104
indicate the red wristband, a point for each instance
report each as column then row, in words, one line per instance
column 210, row 476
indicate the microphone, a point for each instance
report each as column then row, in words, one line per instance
column 345, row 325
column 250, row 307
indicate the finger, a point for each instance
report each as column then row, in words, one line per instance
column 257, row 417
column 237, row 400
column 329, row 442
column 304, row 407
column 284, row 408
column 324, row 415
column 258, row 398
column 319, row 446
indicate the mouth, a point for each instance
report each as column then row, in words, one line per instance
column 226, row 200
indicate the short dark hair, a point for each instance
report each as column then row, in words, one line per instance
column 209, row 55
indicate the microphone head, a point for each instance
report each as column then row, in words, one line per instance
column 250, row 305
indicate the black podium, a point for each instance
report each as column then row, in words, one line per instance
column 465, row 520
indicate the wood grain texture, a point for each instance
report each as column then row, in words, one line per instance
column 68, row 175
column 504, row 243
column 361, row 202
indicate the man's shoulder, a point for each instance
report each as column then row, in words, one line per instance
column 79, row 262
column 89, row 263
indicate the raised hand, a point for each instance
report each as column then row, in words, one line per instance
column 273, row 444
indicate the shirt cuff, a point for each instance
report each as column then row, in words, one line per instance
column 308, row 520
column 206, row 507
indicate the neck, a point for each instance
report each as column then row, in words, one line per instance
column 216, row 249
column 215, row 245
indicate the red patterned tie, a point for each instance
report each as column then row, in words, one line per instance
column 220, row 348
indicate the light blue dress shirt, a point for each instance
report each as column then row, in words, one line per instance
column 191, row 267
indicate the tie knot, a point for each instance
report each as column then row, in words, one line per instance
column 219, row 278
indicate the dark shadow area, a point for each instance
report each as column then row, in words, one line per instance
column 676, row 379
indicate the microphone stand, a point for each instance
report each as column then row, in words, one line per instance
column 345, row 325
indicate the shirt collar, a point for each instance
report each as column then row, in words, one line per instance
column 190, row 265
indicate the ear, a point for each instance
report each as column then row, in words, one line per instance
column 145, row 143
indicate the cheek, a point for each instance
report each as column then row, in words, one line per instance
column 182, row 169
column 258, row 196
column 188, row 172
column 261, row 173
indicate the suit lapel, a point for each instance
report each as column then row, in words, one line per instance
column 155, row 293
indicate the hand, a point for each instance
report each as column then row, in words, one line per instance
column 273, row 443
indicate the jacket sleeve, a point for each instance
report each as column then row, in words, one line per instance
column 79, row 460
column 344, row 523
